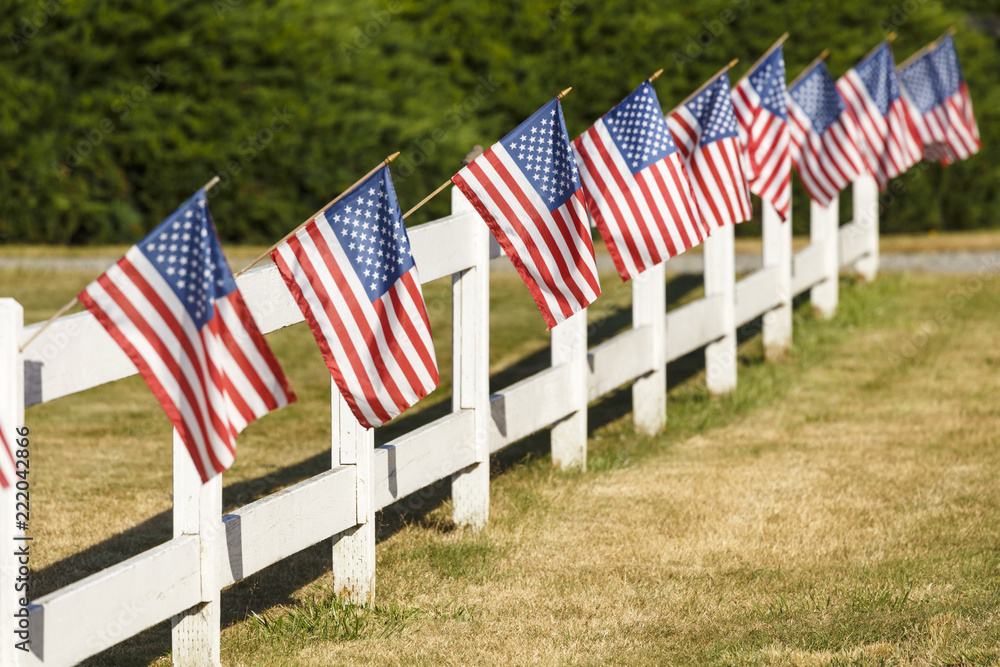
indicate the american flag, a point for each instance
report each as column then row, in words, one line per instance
column 172, row 305
column 942, row 107
column 636, row 185
column 8, row 469
column 884, row 127
column 759, row 103
column 823, row 148
column 352, row 273
column 527, row 189
column 706, row 135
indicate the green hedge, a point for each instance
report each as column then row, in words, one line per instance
column 114, row 111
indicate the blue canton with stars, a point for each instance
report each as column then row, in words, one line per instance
column 370, row 229
column 878, row 73
column 639, row 129
column 934, row 77
column 769, row 82
column 713, row 109
column 817, row 96
column 540, row 148
column 185, row 250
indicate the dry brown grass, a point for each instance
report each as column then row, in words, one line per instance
column 840, row 510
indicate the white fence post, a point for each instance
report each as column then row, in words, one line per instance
column 824, row 230
column 720, row 280
column 649, row 308
column 777, row 253
column 866, row 217
column 354, row 549
column 470, row 326
column 198, row 511
column 569, row 434
column 11, row 418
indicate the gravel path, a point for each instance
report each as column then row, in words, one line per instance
column 939, row 262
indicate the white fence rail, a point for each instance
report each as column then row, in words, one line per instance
column 182, row 579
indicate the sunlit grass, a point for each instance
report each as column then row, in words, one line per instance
column 839, row 509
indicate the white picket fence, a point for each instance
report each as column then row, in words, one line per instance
column 182, row 579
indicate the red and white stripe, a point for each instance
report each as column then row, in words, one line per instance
column 888, row 144
column 765, row 142
column 212, row 382
column 948, row 131
column 644, row 218
column 716, row 171
column 552, row 251
column 380, row 352
column 8, row 469
column 826, row 163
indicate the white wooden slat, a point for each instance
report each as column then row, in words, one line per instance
column 286, row 522
column 470, row 487
column 807, row 267
column 84, row 618
column 569, row 434
column 268, row 298
column 720, row 280
column 353, row 552
column 529, row 406
column 865, row 197
column 75, row 353
column 446, row 246
column 615, row 361
column 649, row 391
column 824, row 221
column 694, row 325
column 424, row 456
column 197, row 511
column 852, row 239
column 756, row 294
column 777, row 253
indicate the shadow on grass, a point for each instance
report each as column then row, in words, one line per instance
column 276, row 584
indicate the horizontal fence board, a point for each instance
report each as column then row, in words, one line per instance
column 424, row 456
column 757, row 294
column 694, row 325
column 445, row 246
column 619, row 360
column 268, row 298
column 284, row 523
column 529, row 405
column 807, row 268
column 852, row 243
column 75, row 353
column 95, row 613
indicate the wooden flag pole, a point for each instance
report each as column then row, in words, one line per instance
column 468, row 158
column 705, row 85
column 75, row 300
column 890, row 38
column 929, row 47
column 781, row 40
column 816, row 61
column 656, row 75
column 305, row 222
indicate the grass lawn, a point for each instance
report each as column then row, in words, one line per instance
column 840, row 509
